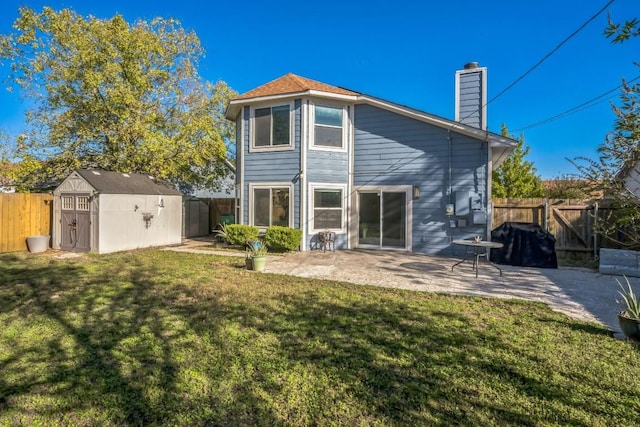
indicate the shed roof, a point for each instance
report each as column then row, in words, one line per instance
column 108, row 182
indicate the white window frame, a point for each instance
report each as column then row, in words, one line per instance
column 83, row 203
column 252, row 126
column 312, row 208
column 312, row 122
column 269, row 186
column 67, row 203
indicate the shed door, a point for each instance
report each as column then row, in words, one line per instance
column 76, row 223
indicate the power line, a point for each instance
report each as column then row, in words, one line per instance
column 548, row 55
column 591, row 102
column 544, row 58
column 397, row 164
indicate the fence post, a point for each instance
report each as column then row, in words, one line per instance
column 595, row 233
column 546, row 214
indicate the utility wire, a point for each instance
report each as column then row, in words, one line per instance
column 590, row 103
column 397, row 164
column 544, row 58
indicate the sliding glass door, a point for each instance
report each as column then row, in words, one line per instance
column 382, row 219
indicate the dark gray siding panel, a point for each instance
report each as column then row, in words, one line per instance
column 391, row 149
column 470, row 98
column 274, row 166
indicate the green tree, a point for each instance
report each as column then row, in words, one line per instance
column 616, row 171
column 115, row 96
column 566, row 187
column 516, row 177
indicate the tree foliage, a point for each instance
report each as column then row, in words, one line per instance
column 616, row 171
column 567, row 187
column 516, row 177
column 107, row 94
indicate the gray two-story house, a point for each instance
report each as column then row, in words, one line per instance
column 378, row 174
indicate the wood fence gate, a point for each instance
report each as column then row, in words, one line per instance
column 570, row 221
column 23, row 215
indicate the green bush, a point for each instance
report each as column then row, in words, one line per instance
column 239, row 234
column 283, row 238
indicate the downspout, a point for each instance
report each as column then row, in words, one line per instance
column 240, row 188
column 450, row 143
column 353, row 217
column 489, row 193
column 304, row 107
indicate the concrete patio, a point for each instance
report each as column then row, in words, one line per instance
column 577, row 292
column 580, row 293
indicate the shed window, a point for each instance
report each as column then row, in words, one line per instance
column 67, row 203
column 82, row 203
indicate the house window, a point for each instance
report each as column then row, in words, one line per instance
column 328, row 126
column 271, row 206
column 272, row 126
column 328, row 208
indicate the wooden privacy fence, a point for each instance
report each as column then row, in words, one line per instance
column 570, row 221
column 23, row 215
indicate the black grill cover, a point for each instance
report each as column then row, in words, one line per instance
column 525, row 244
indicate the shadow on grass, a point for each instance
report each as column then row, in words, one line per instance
column 179, row 339
column 97, row 318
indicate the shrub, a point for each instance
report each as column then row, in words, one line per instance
column 631, row 301
column 239, row 234
column 283, row 238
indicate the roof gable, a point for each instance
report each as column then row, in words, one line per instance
column 292, row 83
column 108, row 182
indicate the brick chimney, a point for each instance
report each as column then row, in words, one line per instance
column 471, row 95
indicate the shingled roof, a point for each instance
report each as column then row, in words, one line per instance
column 108, row 182
column 292, row 83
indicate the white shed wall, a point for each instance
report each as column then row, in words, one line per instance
column 122, row 226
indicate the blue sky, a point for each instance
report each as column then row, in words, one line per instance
column 407, row 52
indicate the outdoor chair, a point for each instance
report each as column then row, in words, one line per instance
column 327, row 240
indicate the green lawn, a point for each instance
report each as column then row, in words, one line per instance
column 164, row 338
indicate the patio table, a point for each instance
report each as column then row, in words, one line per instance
column 477, row 250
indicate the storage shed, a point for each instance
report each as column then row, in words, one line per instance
column 102, row 211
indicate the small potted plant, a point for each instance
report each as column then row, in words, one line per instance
column 629, row 318
column 256, row 256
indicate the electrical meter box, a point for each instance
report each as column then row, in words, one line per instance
column 479, row 217
column 476, row 202
column 462, row 203
column 469, row 204
column 449, row 209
